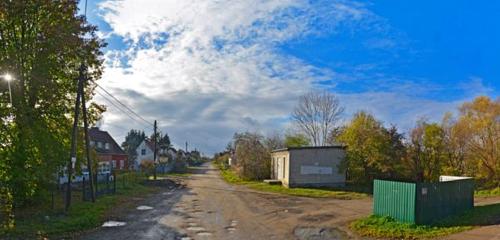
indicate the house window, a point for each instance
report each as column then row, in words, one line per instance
column 92, row 143
column 99, row 144
column 113, row 164
column 106, row 146
column 143, row 151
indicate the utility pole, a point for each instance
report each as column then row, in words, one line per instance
column 186, row 146
column 154, row 152
column 72, row 157
column 74, row 136
column 82, row 81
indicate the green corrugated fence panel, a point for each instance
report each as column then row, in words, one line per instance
column 394, row 199
column 422, row 203
column 436, row 201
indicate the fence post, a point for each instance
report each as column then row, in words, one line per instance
column 107, row 183
column 83, row 189
column 53, row 190
column 96, row 185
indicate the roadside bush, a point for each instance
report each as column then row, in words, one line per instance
column 253, row 158
column 147, row 167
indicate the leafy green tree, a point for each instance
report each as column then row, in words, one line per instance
column 426, row 151
column 132, row 141
column 42, row 45
column 164, row 142
column 296, row 140
column 370, row 149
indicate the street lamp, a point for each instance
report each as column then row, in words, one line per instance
column 9, row 78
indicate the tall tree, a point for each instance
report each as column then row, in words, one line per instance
column 132, row 141
column 317, row 114
column 370, row 148
column 426, row 151
column 42, row 45
column 480, row 120
column 164, row 142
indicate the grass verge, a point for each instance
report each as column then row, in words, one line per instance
column 230, row 177
column 488, row 193
column 40, row 221
column 386, row 227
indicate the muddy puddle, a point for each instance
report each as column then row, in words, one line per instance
column 319, row 233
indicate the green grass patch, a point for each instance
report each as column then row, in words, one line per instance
column 43, row 221
column 231, row 177
column 488, row 192
column 386, row 227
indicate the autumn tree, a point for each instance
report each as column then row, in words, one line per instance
column 426, row 151
column 253, row 158
column 480, row 122
column 455, row 148
column 43, row 44
column 317, row 114
column 372, row 150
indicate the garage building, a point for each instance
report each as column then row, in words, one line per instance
column 308, row 166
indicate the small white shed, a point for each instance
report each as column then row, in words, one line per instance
column 308, row 166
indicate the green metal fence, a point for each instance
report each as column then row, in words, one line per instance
column 422, row 203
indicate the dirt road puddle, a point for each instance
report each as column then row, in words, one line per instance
column 204, row 234
column 319, row 233
column 195, row 229
column 113, row 224
column 143, row 208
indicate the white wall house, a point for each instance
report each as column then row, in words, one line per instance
column 145, row 152
column 308, row 166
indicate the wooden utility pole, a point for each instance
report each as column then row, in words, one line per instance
column 72, row 157
column 83, row 79
column 74, row 136
column 186, row 146
column 154, row 152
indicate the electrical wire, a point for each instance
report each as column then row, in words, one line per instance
column 123, row 111
column 121, row 103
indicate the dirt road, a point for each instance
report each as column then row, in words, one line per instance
column 209, row 208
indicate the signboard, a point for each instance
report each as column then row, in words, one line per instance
column 306, row 170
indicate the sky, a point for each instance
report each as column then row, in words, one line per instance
column 207, row 69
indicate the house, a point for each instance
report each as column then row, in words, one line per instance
column 109, row 154
column 308, row 166
column 145, row 152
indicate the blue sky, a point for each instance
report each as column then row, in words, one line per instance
column 207, row 69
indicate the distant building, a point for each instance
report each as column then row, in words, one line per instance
column 308, row 166
column 109, row 153
column 145, row 152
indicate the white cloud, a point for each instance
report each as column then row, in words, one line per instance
column 205, row 69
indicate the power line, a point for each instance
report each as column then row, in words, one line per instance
column 125, row 106
column 123, row 111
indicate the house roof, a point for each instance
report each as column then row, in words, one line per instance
column 102, row 136
column 150, row 144
column 309, row 147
